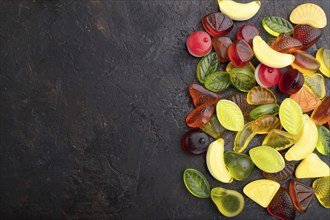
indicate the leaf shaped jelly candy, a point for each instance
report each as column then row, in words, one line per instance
column 207, row 65
column 230, row 66
column 312, row 167
column 279, row 139
column 323, row 141
column 275, row 25
column 217, row 81
column 196, row 183
column 291, row 116
column 240, row 100
column 242, row 78
column 230, row 115
column 265, row 124
column 321, row 113
column 200, row 116
column 243, row 137
column 260, row 95
column 282, row 175
column 322, row 191
column 267, row 159
column 281, row 205
column 301, row 195
column 266, row 109
column 213, row 128
column 229, row 202
column 200, row 95
column 315, row 83
column 305, row 99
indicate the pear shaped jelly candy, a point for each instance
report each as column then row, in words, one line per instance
column 199, row 43
column 282, row 175
column 281, row 205
column 312, row 167
column 308, row 35
column 321, row 113
column 240, row 53
column 260, row 95
column 323, row 141
column 196, row 183
column 322, row 190
column 310, row 14
column 200, row 116
column 265, row 124
column 279, row 139
column 291, row 116
column 195, row 141
column 323, row 56
column 301, row 195
column 267, row 159
column 217, row 24
column 266, row 109
column 217, row 81
column 200, row 95
column 207, row 65
column 284, row 43
column 305, row 99
column 230, row 115
column 304, row 62
column 261, row 191
column 242, row 78
column 229, row 202
column 315, row 83
column 220, row 45
column 243, row 137
column 213, row 128
column 240, row 166
column 240, row 100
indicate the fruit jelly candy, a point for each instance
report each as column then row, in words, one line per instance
column 323, row 142
column 230, row 115
column 199, row 43
column 200, row 95
column 267, row 159
column 270, row 24
column 291, row 81
column 282, row 175
column 267, row 76
column 279, row 139
column 309, row 13
column 266, row 109
column 220, row 45
column 229, row 202
column 284, row 43
column 242, row 78
column 200, row 116
column 314, row 82
column 306, row 34
column 240, row 166
column 265, row 124
column 281, row 205
column 301, row 195
column 243, row 138
column 305, row 99
column 213, row 128
column 322, row 190
column 207, row 65
column 240, row 53
column 321, row 113
column 217, row 81
column 195, row 141
column 323, row 56
column 240, row 99
column 260, row 95
column 304, row 62
column 217, row 24
column 247, row 32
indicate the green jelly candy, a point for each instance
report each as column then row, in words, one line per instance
column 243, row 137
column 240, row 166
column 266, row 109
column 323, row 141
column 213, row 128
column 275, row 25
column 322, row 190
column 207, row 65
column 230, row 115
column 267, row 159
column 196, row 183
column 279, row 139
column 229, row 202
column 315, row 84
column 265, row 124
column 242, row 78
column 291, row 116
column 217, row 81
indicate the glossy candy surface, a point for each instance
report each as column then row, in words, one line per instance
column 266, row 109
column 200, row 116
column 321, row 113
column 323, row 56
column 304, row 62
column 230, row 66
column 267, row 76
column 207, row 65
column 312, row 167
column 199, row 43
column 284, row 43
column 217, row 81
column 291, row 116
column 315, row 83
column 275, row 25
column 217, row 24
column 213, row 128
column 240, row 166
column 247, row 32
column 322, row 191
column 240, row 100
column 282, row 175
column 267, row 159
column 196, row 183
column 291, row 81
column 306, row 34
column 229, row 202
column 240, row 53
column 281, row 205
column 279, row 139
column 301, row 195
column 200, row 95
column 242, row 78
column 247, row 10
column 195, row 141
column 265, row 124
column 305, row 99
column 260, row 95
column 323, row 141
column 220, row 45
column 243, row 137
column 230, row 115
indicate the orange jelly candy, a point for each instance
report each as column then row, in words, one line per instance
column 284, row 43
column 200, row 95
column 321, row 113
column 200, row 116
column 305, row 99
column 304, row 62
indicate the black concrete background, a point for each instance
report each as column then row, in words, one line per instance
column 93, row 102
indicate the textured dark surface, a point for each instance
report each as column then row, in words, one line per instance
column 93, row 102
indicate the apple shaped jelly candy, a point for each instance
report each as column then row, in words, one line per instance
column 240, row 166
column 217, row 24
column 220, row 45
column 306, row 34
column 200, row 95
column 267, row 76
column 195, row 141
column 281, row 205
column 240, row 53
column 291, row 81
column 199, row 43
column 284, row 43
column 304, row 62
column 247, row 32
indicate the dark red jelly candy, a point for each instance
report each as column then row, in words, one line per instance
column 200, row 116
column 217, row 24
column 240, row 53
column 195, row 141
column 291, row 81
column 200, row 95
column 281, row 205
column 220, row 45
column 284, row 43
column 301, row 195
column 247, row 32
column 307, row 35
column 283, row 175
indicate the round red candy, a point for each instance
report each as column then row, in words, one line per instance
column 291, row 81
column 199, row 43
column 267, row 76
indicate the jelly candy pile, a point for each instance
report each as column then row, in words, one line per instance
column 295, row 131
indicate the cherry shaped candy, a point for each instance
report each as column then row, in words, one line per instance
column 281, row 205
column 267, row 76
column 217, row 24
column 195, row 141
column 291, row 81
column 200, row 95
column 240, row 53
column 220, row 45
column 307, row 35
column 199, row 43
column 247, row 32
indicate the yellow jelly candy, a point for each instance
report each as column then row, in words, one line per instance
column 230, row 115
column 260, row 95
column 312, row 167
column 323, row 56
column 314, row 82
column 306, row 142
column 279, row 139
column 291, row 116
column 310, row 14
column 267, row 159
column 322, row 191
column 243, row 137
column 261, row 191
column 265, row 124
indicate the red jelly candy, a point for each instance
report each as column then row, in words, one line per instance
column 267, row 76
column 283, row 175
column 284, row 43
column 217, row 24
column 220, row 45
column 199, row 43
column 200, row 95
column 306, row 61
column 281, row 205
column 240, row 53
column 301, row 195
column 291, row 81
column 247, row 32
column 200, row 116
column 307, row 35
column 195, row 141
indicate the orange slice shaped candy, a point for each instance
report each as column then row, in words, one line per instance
column 260, row 95
column 305, row 99
column 310, row 14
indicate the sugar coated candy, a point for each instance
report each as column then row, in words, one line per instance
column 291, row 81
column 200, row 95
column 315, row 83
column 312, row 167
column 281, row 205
column 275, row 25
column 310, row 14
column 264, row 124
column 279, row 139
column 247, row 32
column 240, row 166
column 284, row 43
column 195, row 141
column 304, row 62
column 220, row 45
column 229, row 202
column 321, row 113
column 230, row 115
column 240, row 100
column 217, row 81
column 246, row 10
column 213, row 128
column 322, row 191
column 266, row 109
column 240, row 53
column 307, row 35
column 305, row 99
column 199, row 43
column 196, row 183
column 217, row 24
column 323, row 141
column 291, row 116
column 200, row 116
column 260, row 95
column 261, row 191
column 323, row 56
column 282, row 175
column 207, row 65
column 267, row 159
column 243, row 137
column 242, row 78
column 267, row 76
column 301, row 195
